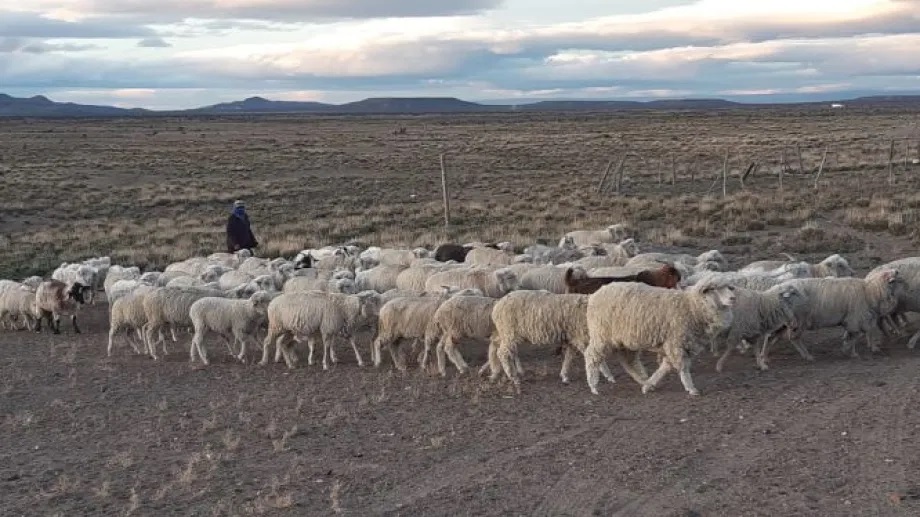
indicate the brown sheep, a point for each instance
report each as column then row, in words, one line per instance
column 54, row 298
column 666, row 276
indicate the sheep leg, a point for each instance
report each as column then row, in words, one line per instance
column 112, row 331
column 332, row 356
column 197, row 340
column 149, row 341
column 270, row 339
column 441, row 356
column 140, row 338
column 290, row 358
column 354, row 346
column 376, row 347
column 56, row 323
column 760, row 355
column 664, row 366
column 172, row 333
column 720, row 364
column 848, row 346
column 311, row 345
column 278, row 352
column 396, row 355
column 567, row 356
column 913, row 340
column 506, row 356
column 594, row 356
column 450, row 348
column 634, row 368
column 683, row 363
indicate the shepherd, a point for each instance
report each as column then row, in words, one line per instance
column 239, row 234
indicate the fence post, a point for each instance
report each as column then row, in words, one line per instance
column 821, row 168
column 891, row 163
column 445, row 194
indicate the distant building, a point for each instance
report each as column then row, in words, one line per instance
column 836, row 105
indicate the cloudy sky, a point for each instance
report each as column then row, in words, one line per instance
column 185, row 53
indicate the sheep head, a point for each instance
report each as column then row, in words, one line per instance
column 837, row 265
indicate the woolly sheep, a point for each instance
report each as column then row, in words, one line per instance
column 18, row 304
column 375, row 256
column 186, row 281
column 414, row 278
column 832, row 266
column 547, row 278
column 33, row 281
column 761, row 314
column 489, row 257
column 54, row 299
column 239, row 319
column 302, row 284
column 538, row 318
column 117, row 273
column 712, row 256
column 458, row 318
column 909, row 299
column 856, row 304
column 492, row 283
column 122, row 288
column 78, row 274
column 613, row 233
column 752, row 280
column 169, row 306
column 669, row 322
column 405, row 318
column 126, row 313
column 234, row 278
column 315, row 314
column 380, row 278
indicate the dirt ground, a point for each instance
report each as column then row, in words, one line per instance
column 88, row 435
column 83, row 434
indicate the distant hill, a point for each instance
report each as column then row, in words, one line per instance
column 40, row 106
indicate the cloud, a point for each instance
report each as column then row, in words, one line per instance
column 33, row 25
column 285, row 10
column 153, row 43
column 34, row 46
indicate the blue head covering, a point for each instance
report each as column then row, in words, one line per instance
column 239, row 209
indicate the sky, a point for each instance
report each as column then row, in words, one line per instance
column 168, row 54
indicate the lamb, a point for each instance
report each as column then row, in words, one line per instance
column 671, row 323
column 315, row 314
column 856, row 304
column 613, row 233
column 492, row 283
column 549, row 278
column 54, row 299
column 126, row 313
column 665, row 276
column 169, row 306
column 18, row 303
column 451, row 251
column 460, row 317
column 832, row 266
column 239, row 319
column 761, row 314
column 381, row 278
column 537, row 318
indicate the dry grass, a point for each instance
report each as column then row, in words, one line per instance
column 148, row 192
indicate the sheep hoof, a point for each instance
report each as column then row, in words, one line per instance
column 694, row 392
column 594, row 390
column 565, row 380
column 262, row 363
column 647, row 388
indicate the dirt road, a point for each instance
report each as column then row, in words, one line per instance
column 87, row 435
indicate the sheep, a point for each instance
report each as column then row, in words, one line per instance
column 714, row 257
column 375, row 256
column 117, row 273
column 666, row 276
column 230, row 260
column 239, row 319
column 80, row 274
column 126, row 313
column 18, row 303
column 613, row 233
column 832, row 266
column 326, row 315
column 4, row 286
column 214, row 272
column 451, row 251
column 548, row 278
column 537, row 318
column 33, row 281
column 414, row 278
column 54, row 299
column 381, row 278
column 637, row 317
column 856, row 304
column 302, row 284
column 169, row 306
column 233, row 278
column 122, row 288
column 186, row 281
column 909, row 300
column 759, row 314
column 752, row 280
column 101, row 265
column 492, row 283
column 460, row 317
column 405, row 318
column 489, row 257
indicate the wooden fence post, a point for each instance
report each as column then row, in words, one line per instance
column 891, row 163
column 445, row 194
column 725, row 175
column 820, row 168
column 618, row 175
column 600, row 186
column 673, row 170
column 798, row 152
column 782, row 168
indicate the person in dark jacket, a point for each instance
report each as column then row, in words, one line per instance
column 239, row 234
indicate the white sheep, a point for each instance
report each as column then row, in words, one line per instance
column 761, row 314
column 712, row 256
column 457, row 319
column 33, row 281
column 613, row 233
column 328, row 316
column 548, row 278
column 493, row 283
column 169, row 306
column 126, row 313
column 54, row 299
column 405, row 318
column 228, row 318
column 489, row 257
column 832, row 266
column 414, row 278
column 18, row 304
column 856, row 304
column 117, row 273
column 332, row 285
column 909, row 299
column 380, row 278
column 537, row 318
column 751, row 280
column 669, row 322
column 374, row 256
column 78, row 274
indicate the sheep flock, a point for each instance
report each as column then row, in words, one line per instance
column 596, row 295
